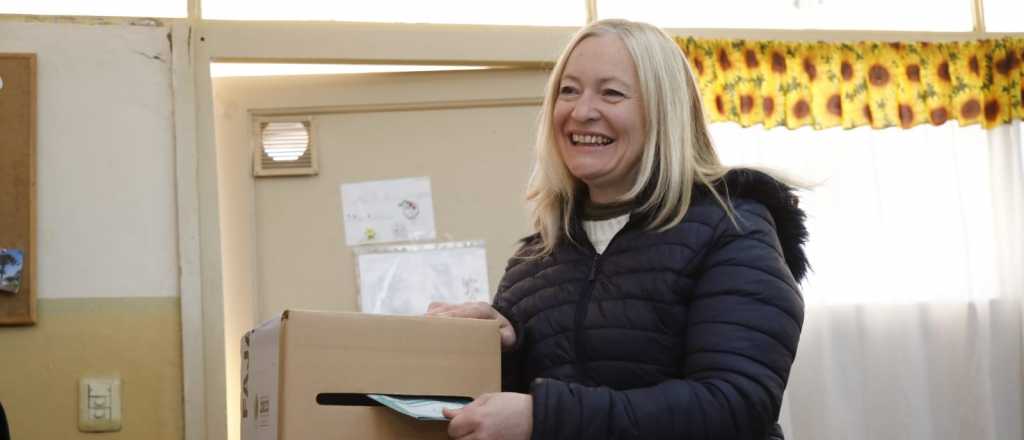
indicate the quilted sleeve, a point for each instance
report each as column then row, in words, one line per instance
column 511, row 360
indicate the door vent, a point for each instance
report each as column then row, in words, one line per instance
column 284, row 147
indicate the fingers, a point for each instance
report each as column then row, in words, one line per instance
column 482, row 399
column 437, row 307
column 450, row 413
column 508, row 337
column 477, row 310
column 461, row 425
column 465, row 421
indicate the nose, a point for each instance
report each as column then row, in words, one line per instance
column 585, row 109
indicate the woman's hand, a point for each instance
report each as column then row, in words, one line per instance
column 496, row 416
column 476, row 310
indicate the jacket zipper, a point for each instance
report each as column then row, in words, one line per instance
column 582, row 356
column 582, row 353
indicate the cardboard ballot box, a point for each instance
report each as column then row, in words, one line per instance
column 305, row 375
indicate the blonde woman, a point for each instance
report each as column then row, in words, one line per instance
column 659, row 296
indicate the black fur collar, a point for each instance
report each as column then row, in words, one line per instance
column 782, row 202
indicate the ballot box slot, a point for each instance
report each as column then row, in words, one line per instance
column 360, row 399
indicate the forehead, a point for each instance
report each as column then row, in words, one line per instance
column 601, row 57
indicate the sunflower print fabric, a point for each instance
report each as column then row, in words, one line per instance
column 867, row 83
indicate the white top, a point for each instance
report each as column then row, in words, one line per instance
column 601, row 232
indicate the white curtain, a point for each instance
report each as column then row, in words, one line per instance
column 913, row 319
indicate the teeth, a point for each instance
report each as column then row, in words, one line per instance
column 590, row 139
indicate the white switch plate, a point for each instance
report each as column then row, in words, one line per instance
column 99, row 404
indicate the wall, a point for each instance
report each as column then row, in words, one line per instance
column 107, row 259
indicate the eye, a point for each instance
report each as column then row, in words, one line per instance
column 612, row 93
column 567, row 90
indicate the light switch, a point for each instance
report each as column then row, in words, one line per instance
column 99, row 404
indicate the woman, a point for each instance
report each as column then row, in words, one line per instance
column 658, row 297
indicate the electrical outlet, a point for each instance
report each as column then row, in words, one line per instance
column 99, row 404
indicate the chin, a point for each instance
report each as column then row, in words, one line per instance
column 584, row 172
column 588, row 177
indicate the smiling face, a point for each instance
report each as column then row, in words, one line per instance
column 599, row 117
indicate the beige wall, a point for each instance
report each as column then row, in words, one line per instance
column 108, row 275
column 477, row 160
column 136, row 338
column 105, row 158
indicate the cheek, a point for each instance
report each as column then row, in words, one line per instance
column 636, row 153
column 630, row 128
column 559, row 115
column 634, row 135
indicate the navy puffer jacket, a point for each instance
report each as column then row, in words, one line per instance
column 687, row 333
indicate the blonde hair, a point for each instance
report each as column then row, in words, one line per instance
column 677, row 151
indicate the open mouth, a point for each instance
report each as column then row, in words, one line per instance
column 590, row 140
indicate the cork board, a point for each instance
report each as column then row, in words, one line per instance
column 17, row 188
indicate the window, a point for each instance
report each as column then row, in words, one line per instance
column 1004, row 15
column 902, row 15
column 113, row 8
column 896, row 216
column 511, row 12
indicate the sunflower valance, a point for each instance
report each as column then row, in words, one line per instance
column 855, row 84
